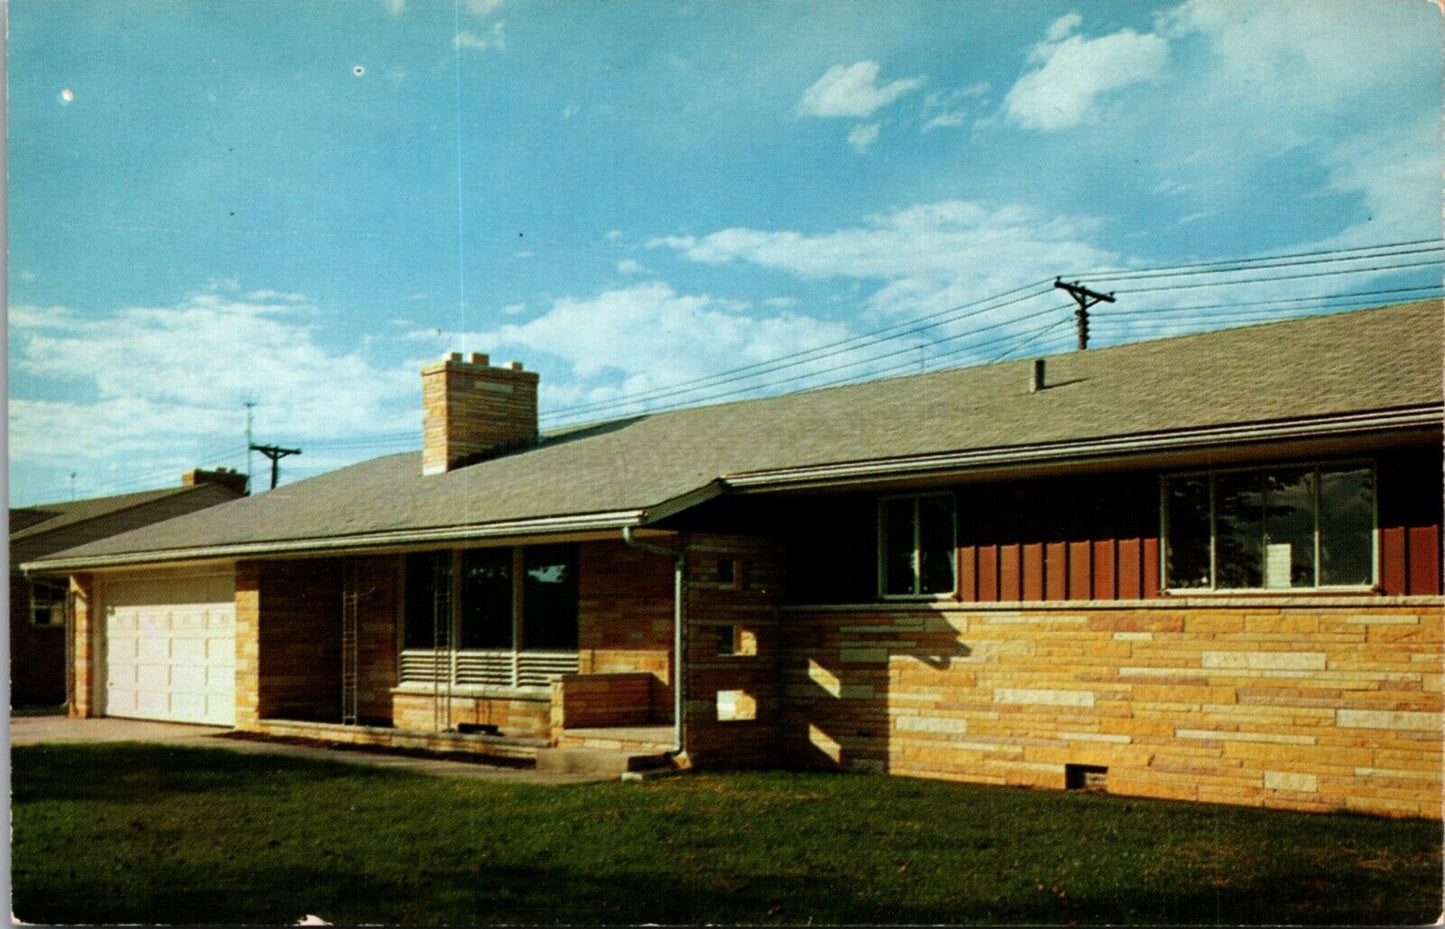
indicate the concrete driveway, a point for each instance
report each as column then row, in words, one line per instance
column 30, row 730
column 35, row 730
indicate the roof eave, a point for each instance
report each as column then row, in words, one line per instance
column 1413, row 417
column 361, row 541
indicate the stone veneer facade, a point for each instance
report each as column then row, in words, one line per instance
column 1303, row 704
column 1309, row 703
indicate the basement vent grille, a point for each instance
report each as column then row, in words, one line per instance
column 1086, row 777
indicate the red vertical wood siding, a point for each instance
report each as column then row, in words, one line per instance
column 1034, row 571
column 1009, row 579
column 1409, row 505
column 1151, row 569
column 1104, row 569
column 1129, row 576
column 988, row 573
column 1081, row 571
column 1393, row 577
column 1423, row 559
column 967, row 572
column 1098, row 537
column 1056, row 571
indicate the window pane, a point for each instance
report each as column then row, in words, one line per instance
column 1289, row 525
column 1347, row 524
column 1186, row 550
column 486, row 598
column 935, row 544
column 897, row 532
column 427, row 575
column 549, row 597
column 1239, row 525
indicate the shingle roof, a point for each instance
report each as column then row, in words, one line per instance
column 1370, row 360
column 44, row 528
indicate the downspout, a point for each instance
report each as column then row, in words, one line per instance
column 679, row 565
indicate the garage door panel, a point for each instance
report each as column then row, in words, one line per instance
column 188, row 678
column 122, row 649
column 171, row 648
column 221, row 653
column 188, row 705
column 152, row 677
column 153, row 646
column 188, row 650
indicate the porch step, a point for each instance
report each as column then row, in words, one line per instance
column 639, row 740
column 598, row 761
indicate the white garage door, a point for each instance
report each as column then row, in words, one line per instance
column 170, row 648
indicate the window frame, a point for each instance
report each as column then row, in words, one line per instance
column 882, row 559
column 1315, row 467
column 452, row 646
column 60, row 592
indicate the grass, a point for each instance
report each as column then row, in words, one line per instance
column 143, row 834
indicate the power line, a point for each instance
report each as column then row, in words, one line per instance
column 830, row 349
column 1122, row 273
column 1230, row 266
column 153, row 479
column 1282, row 277
column 1149, row 275
column 853, row 364
column 1378, row 292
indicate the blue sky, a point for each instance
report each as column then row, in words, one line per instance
column 298, row 204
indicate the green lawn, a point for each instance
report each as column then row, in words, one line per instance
column 141, row 834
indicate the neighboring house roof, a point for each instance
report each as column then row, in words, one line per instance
column 1346, row 370
column 45, row 528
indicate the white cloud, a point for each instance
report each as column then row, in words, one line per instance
column 943, row 121
column 645, row 336
column 852, row 90
column 394, row 7
column 496, row 39
column 946, row 109
column 863, row 136
column 1072, row 73
column 141, row 388
column 570, row 110
column 1063, row 27
column 1389, row 169
column 628, row 266
column 1314, row 55
column 924, row 257
column 483, row 7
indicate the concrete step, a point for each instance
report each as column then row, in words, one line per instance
column 598, row 761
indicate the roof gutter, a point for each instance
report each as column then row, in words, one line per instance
column 679, row 569
column 779, row 478
column 591, row 521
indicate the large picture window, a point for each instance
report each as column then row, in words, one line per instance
column 503, row 616
column 1270, row 529
column 916, row 545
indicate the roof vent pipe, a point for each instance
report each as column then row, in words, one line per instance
column 1036, row 380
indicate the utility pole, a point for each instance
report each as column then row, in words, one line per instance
column 1085, row 298
column 250, row 409
column 275, row 453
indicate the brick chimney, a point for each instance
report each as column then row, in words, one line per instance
column 223, row 476
column 471, row 409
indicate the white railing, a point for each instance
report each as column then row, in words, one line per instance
column 491, row 667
